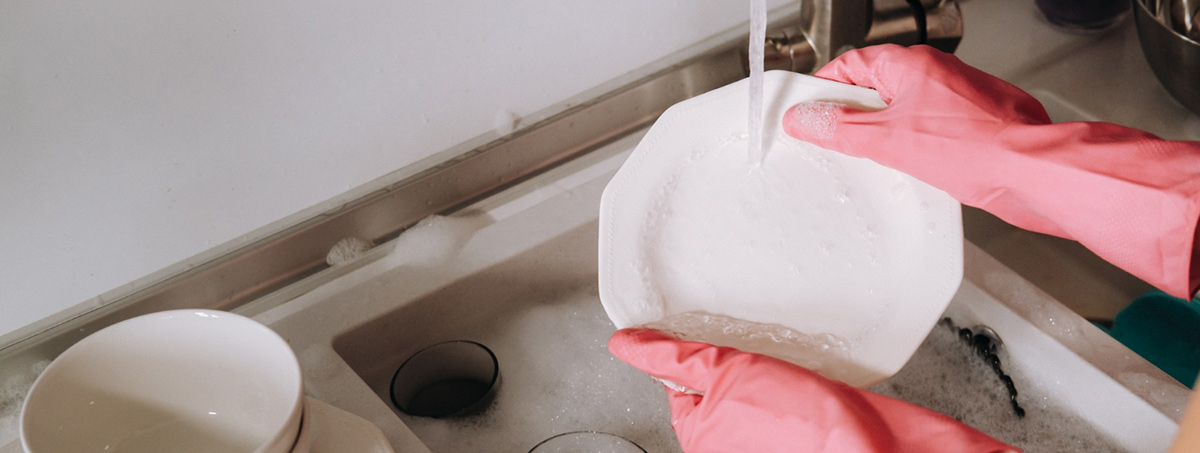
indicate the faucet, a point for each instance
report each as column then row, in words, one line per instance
column 828, row 28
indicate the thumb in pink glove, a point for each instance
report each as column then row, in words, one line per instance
column 1129, row 196
column 755, row 403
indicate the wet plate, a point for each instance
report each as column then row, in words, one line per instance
column 328, row 429
column 829, row 261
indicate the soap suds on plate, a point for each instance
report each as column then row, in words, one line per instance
column 823, row 353
column 816, row 119
column 805, row 238
column 752, row 241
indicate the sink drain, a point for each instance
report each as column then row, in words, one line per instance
column 587, row 442
column 447, row 379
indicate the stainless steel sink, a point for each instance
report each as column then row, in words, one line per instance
column 523, row 283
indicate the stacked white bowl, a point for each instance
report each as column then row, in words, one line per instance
column 182, row 381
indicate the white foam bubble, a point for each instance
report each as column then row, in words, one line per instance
column 506, row 121
column 816, row 119
column 347, row 250
column 432, row 241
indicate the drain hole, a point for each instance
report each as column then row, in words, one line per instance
column 447, row 379
column 587, row 442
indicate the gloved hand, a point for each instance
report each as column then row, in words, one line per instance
column 1129, row 196
column 755, row 403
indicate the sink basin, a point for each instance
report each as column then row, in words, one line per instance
column 540, row 313
column 524, row 284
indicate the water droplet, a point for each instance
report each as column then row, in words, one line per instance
column 843, row 194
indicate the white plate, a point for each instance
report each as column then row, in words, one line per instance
column 328, row 429
column 813, row 247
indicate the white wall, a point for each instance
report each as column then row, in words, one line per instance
column 137, row 133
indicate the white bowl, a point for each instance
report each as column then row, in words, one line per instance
column 831, row 262
column 178, row 381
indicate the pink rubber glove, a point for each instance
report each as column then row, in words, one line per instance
column 1129, row 196
column 754, row 403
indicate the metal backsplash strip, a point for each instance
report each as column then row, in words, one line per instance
column 288, row 256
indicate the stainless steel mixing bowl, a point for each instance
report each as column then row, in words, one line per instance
column 1174, row 58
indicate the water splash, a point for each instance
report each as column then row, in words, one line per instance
column 758, row 37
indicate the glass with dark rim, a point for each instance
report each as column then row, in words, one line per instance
column 587, row 442
column 448, row 379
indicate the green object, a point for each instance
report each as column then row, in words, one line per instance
column 1165, row 330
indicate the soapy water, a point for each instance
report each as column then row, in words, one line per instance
column 591, row 390
column 947, row 376
column 824, row 353
column 12, row 397
column 982, row 343
column 556, row 376
column 758, row 37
